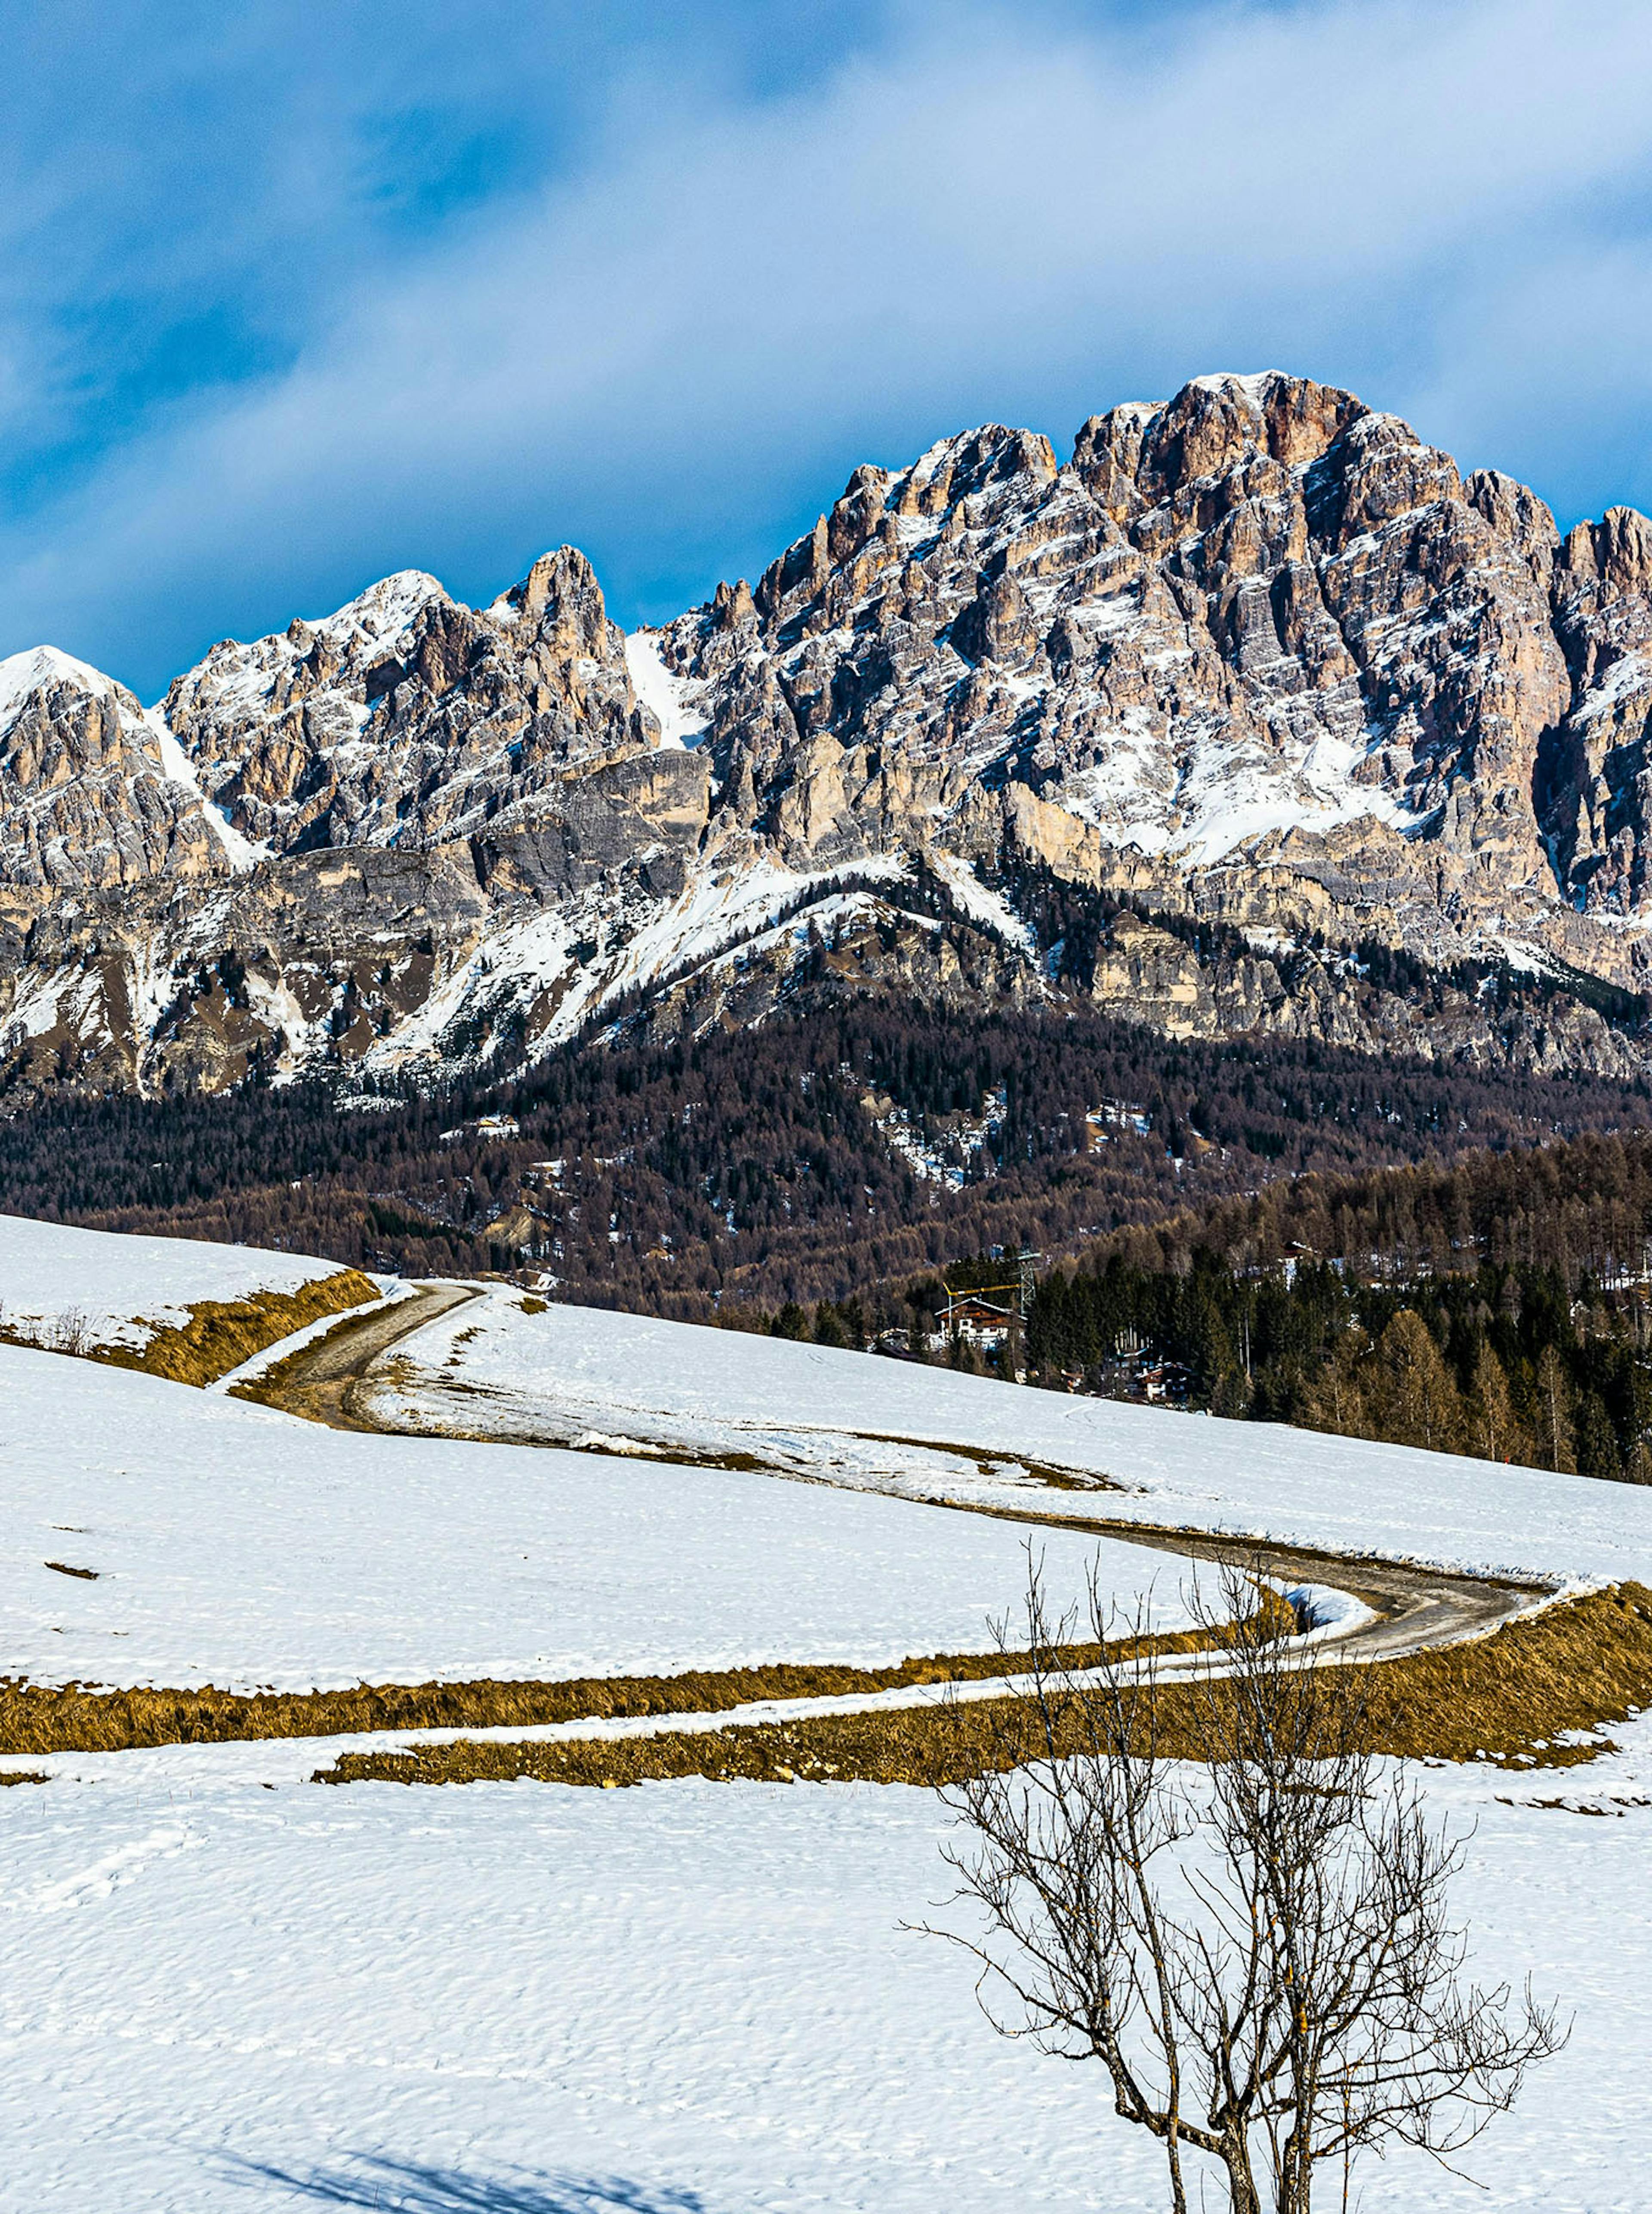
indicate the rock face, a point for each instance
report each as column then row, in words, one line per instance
column 407, row 720
column 86, row 800
column 1259, row 621
column 1256, row 658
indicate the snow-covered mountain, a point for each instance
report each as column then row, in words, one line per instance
column 1255, row 658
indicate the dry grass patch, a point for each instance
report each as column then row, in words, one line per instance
column 1582, row 1665
column 38, row 1718
column 1574, row 1667
column 219, row 1335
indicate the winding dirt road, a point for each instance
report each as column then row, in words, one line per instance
column 319, row 1381
column 1413, row 1608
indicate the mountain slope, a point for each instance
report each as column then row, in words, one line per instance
column 1226, row 724
column 1260, row 629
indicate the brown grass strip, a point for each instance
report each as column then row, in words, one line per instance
column 1576, row 1667
column 1582, row 1665
column 220, row 1334
column 37, row 1718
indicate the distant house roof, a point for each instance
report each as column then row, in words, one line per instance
column 968, row 1308
column 490, row 1126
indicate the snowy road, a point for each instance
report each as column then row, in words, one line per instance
column 1405, row 1607
column 643, row 1388
column 1412, row 1606
column 324, row 1368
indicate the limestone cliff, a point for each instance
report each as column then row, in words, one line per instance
column 1256, row 658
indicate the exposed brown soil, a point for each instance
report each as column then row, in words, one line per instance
column 988, row 1463
column 37, row 1718
column 1575, row 1666
column 319, row 1381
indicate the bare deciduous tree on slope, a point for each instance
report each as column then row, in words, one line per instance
column 1212, row 1887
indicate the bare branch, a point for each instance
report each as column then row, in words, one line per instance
column 1257, row 1944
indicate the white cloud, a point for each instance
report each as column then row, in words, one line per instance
column 989, row 220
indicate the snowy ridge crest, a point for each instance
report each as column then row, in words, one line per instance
column 1254, row 653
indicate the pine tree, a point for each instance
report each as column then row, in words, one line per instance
column 1336, row 1399
column 1416, row 1401
column 829, row 1326
column 1597, row 1440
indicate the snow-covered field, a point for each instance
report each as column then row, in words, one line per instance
column 225, row 1987
column 237, row 1546
column 119, row 1290
column 574, row 1371
column 688, row 1998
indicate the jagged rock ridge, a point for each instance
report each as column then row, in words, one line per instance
column 1257, row 656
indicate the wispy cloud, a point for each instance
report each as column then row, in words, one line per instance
column 669, row 333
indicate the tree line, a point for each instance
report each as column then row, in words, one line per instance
column 818, row 1157
column 1499, row 1307
column 1500, row 1363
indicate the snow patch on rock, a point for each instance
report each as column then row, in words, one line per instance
column 24, row 674
column 242, row 853
column 672, row 699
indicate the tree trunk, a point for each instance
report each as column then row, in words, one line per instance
column 1242, row 2197
column 1296, row 2178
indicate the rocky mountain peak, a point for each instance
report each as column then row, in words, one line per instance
column 1214, row 426
column 43, row 669
column 1141, row 453
column 1256, row 654
column 1614, row 554
column 404, row 718
column 86, row 798
column 1258, row 610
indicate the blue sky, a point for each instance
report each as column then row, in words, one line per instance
column 293, row 295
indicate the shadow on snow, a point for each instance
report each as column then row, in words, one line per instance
column 397, row 2187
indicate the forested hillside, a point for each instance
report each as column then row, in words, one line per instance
column 817, row 1156
column 1498, row 1307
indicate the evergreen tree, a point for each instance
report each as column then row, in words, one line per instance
column 1596, row 1439
column 829, row 1326
column 1414, row 1400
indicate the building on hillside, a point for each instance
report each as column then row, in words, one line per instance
column 978, row 1322
column 484, row 1127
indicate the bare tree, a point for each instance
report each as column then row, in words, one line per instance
column 70, row 1333
column 1203, row 1879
